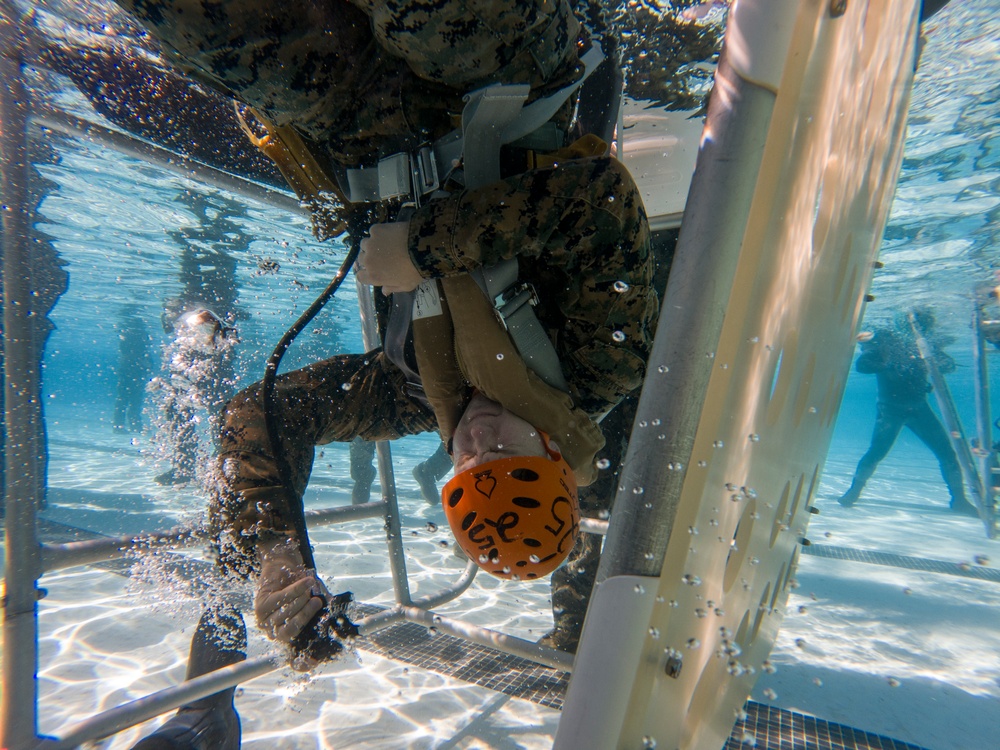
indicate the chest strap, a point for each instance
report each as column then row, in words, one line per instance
column 493, row 116
column 512, row 303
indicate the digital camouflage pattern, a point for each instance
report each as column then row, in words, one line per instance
column 318, row 66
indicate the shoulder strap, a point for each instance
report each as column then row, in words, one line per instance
column 512, row 304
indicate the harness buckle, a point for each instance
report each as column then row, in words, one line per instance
column 512, row 299
column 425, row 171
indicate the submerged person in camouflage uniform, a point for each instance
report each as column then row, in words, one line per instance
column 363, row 81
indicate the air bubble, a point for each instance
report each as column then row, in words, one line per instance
column 432, row 527
column 618, row 336
column 500, row 356
column 663, row 369
column 693, row 643
column 691, row 580
column 717, row 444
column 639, row 589
column 603, row 463
column 648, row 743
column 702, row 464
column 621, row 287
column 893, row 682
column 483, row 559
column 654, row 633
column 754, row 437
column 770, row 694
column 700, row 613
column 345, row 386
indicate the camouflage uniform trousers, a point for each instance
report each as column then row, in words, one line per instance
column 338, row 399
column 365, row 78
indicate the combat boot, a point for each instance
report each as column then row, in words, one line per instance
column 210, row 723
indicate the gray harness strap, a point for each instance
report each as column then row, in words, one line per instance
column 513, row 302
column 493, row 116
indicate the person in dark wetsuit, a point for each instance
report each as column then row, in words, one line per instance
column 891, row 354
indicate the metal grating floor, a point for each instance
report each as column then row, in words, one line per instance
column 903, row 561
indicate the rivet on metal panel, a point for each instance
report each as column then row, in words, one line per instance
column 838, row 8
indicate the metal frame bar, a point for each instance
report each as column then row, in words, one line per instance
column 19, row 702
column 988, row 475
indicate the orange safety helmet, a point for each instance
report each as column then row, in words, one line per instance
column 517, row 517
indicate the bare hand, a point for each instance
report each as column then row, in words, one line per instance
column 284, row 603
column 385, row 260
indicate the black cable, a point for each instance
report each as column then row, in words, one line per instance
column 319, row 639
column 293, row 505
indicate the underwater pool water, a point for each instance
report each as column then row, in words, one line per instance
column 904, row 642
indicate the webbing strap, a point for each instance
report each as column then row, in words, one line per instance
column 513, row 304
column 487, row 115
column 493, row 116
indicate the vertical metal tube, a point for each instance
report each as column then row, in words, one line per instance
column 393, row 527
column 691, row 320
column 18, row 704
column 984, row 432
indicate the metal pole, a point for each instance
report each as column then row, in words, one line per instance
column 171, row 161
column 690, row 325
column 18, row 704
column 984, row 432
column 393, row 527
column 142, row 709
